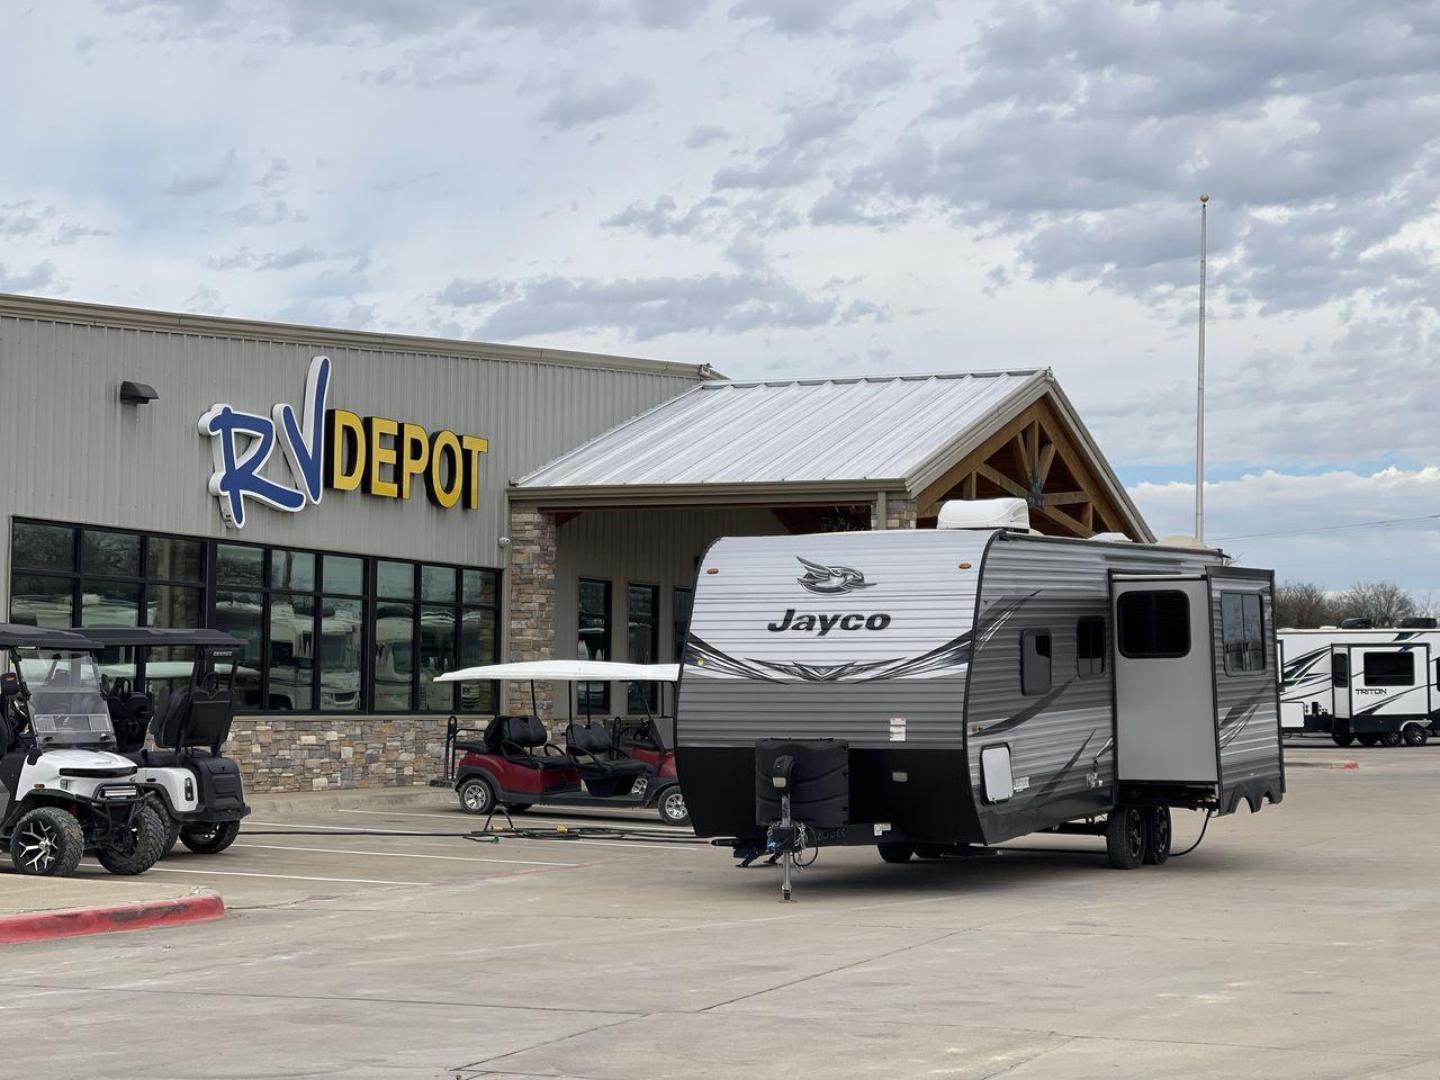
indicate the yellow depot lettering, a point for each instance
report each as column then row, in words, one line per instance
column 414, row 455
column 381, row 454
column 344, row 449
column 473, row 446
column 445, row 445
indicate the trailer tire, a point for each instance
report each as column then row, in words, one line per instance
column 1391, row 739
column 210, row 838
column 930, row 851
column 1416, row 735
column 1125, row 833
column 141, row 850
column 1342, row 738
column 476, row 796
column 50, row 839
column 896, row 852
column 1367, row 740
column 1157, row 835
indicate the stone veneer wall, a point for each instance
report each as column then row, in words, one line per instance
column 899, row 513
column 316, row 753
column 531, row 602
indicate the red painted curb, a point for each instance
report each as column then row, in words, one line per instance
column 73, row 922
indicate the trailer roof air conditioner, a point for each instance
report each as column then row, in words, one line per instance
column 984, row 514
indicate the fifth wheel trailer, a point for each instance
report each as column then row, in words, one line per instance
column 1374, row 685
column 933, row 690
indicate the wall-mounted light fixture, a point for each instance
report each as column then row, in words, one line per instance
column 137, row 393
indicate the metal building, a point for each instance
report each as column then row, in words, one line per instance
column 368, row 511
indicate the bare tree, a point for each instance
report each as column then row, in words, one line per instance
column 1302, row 605
column 1382, row 602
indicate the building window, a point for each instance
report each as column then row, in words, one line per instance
column 643, row 644
column 1035, row 652
column 1340, row 669
column 1389, row 669
column 1090, row 647
column 1154, row 624
column 683, row 605
column 321, row 632
column 1241, row 632
column 594, row 644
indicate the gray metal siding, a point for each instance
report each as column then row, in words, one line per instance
column 801, row 684
column 75, row 453
column 1060, row 742
column 1245, row 702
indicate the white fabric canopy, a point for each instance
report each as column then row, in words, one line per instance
column 565, row 671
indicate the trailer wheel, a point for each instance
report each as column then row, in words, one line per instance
column 930, row 851
column 1391, row 739
column 210, row 838
column 139, row 846
column 1125, row 837
column 476, row 796
column 1415, row 735
column 1342, row 738
column 1157, row 835
column 1367, row 740
column 47, row 842
column 896, row 852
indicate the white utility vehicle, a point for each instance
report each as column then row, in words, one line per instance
column 63, row 790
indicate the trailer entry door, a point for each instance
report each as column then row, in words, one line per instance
column 1164, row 681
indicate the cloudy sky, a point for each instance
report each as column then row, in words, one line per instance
column 793, row 187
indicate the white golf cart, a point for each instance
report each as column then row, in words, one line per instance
column 187, row 705
column 63, row 789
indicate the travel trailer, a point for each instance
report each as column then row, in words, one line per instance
column 932, row 690
column 1370, row 685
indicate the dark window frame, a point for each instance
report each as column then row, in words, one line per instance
column 1090, row 664
column 1030, row 686
column 1152, row 595
column 650, row 691
column 680, row 631
column 583, row 691
column 1395, row 678
column 1242, row 660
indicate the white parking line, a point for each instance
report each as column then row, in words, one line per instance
column 280, row 877
column 403, row 855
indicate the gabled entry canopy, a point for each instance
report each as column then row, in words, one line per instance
column 855, row 440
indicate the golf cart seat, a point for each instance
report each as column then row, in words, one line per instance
column 130, row 715
column 595, row 754
column 517, row 739
column 191, row 717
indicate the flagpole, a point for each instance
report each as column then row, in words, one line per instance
column 1200, row 392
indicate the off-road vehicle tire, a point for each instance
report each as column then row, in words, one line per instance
column 57, row 835
column 210, row 838
column 172, row 827
column 142, row 849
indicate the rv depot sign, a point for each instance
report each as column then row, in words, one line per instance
column 336, row 449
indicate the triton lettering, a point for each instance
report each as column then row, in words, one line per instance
column 792, row 620
column 336, row 449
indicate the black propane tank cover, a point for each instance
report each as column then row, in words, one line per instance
column 819, row 787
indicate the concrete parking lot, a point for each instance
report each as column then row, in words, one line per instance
column 1297, row 943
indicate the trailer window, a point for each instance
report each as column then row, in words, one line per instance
column 1035, row 661
column 1242, row 633
column 1390, row 669
column 1154, row 624
column 1340, row 669
column 1090, row 647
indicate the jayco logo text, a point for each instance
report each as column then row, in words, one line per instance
column 336, row 449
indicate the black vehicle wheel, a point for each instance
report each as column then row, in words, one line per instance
column 1391, row 739
column 1342, row 738
column 172, row 827
column 476, row 796
column 137, row 848
column 929, row 851
column 1415, row 735
column 209, row 838
column 672, row 807
column 1125, row 837
column 518, row 807
column 1157, row 835
column 47, row 842
column 1367, row 740
column 895, row 852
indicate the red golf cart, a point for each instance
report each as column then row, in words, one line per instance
column 610, row 763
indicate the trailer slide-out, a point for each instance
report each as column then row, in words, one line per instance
column 932, row 690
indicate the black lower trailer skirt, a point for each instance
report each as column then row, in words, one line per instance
column 915, row 794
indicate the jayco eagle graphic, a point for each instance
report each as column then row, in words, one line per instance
column 831, row 580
